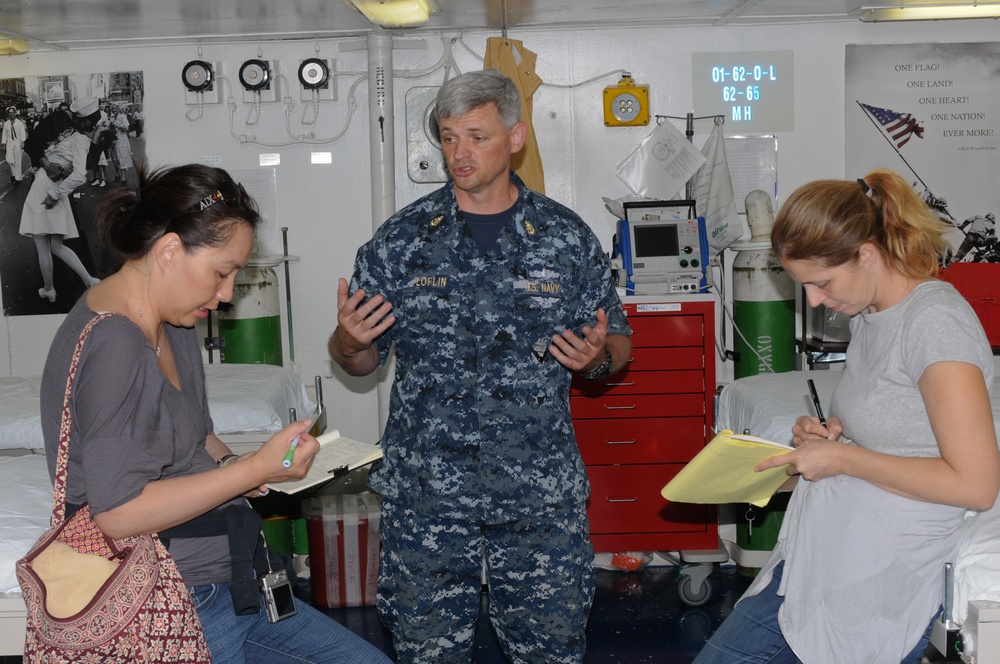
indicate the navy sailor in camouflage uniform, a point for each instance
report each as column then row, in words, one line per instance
column 492, row 295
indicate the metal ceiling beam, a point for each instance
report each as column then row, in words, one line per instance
column 736, row 12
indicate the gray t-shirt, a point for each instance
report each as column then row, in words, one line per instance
column 130, row 425
column 878, row 399
column 863, row 566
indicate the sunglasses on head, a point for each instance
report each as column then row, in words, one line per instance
column 231, row 193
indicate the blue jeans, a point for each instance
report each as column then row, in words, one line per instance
column 308, row 636
column 751, row 635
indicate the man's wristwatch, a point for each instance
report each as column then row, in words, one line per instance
column 602, row 370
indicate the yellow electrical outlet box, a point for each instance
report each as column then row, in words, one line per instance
column 626, row 104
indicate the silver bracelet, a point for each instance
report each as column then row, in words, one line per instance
column 226, row 459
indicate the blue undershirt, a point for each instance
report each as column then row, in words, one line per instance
column 485, row 228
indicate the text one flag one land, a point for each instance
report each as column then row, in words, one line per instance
column 899, row 127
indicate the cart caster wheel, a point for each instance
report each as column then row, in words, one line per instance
column 694, row 596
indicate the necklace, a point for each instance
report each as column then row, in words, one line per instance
column 156, row 350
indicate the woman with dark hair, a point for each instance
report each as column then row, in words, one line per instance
column 142, row 451
column 858, row 571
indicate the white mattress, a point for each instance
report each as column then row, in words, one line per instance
column 25, row 510
column 242, row 398
column 769, row 404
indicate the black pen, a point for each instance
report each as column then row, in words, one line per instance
column 816, row 405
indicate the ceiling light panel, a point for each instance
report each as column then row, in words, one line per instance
column 930, row 12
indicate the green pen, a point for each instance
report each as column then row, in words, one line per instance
column 290, row 454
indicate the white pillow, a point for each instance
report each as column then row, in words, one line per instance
column 20, row 421
column 254, row 398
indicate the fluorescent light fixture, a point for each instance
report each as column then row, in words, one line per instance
column 13, row 46
column 930, row 12
column 394, row 13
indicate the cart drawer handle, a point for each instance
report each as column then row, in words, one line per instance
column 620, row 407
column 621, row 442
column 629, row 384
column 622, row 500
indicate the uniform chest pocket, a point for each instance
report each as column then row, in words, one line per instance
column 431, row 305
column 431, row 318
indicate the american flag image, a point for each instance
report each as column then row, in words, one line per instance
column 899, row 127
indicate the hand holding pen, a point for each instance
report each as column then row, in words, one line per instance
column 290, row 454
column 816, row 403
column 285, row 456
column 805, row 427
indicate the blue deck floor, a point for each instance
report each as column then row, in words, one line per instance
column 637, row 617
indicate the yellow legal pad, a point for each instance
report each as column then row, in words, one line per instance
column 723, row 472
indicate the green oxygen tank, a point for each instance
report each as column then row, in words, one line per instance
column 764, row 312
column 763, row 298
column 251, row 329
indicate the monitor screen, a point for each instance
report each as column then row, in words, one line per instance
column 658, row 240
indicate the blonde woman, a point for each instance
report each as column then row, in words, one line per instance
column 857, row 573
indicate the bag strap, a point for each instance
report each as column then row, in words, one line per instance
column 62, row 457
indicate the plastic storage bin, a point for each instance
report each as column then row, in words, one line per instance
column 344, row 546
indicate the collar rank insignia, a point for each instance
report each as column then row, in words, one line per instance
column 541, row 349
column 436, row 221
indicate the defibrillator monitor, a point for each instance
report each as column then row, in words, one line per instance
column 662, row 246
column 655, row 241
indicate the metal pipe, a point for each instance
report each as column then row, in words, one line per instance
column 949, row 593
column 689, row 132
column 288, row 294
column 381, row 142
column 319, row 392
column 381, row 121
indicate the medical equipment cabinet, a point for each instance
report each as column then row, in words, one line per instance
column 637, row 428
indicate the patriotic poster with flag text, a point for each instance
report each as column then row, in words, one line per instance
column 931, row 112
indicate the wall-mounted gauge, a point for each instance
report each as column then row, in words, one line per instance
column 198, row 76
column 200, row 83
column 314, row 74
column 255, row 75
column 318, row 79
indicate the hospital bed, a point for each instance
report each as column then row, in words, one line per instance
column 248, row 403
column 767, row 406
